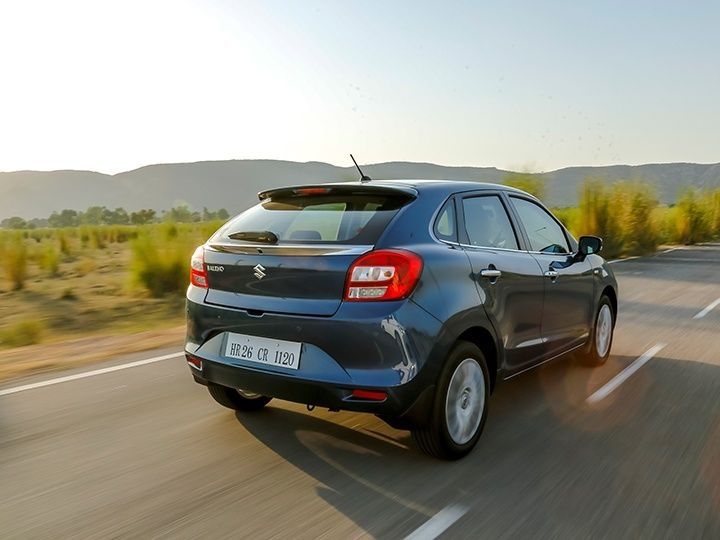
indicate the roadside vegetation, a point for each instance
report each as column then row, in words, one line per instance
column 87, row 278
column 528, row 182
column 630, row 219
column 73, row 282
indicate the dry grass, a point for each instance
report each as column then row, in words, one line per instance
column 45, row 358
column 78, row 289
column 21, row 333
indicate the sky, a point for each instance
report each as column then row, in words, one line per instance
column 521, row 85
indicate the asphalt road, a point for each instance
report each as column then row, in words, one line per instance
column 144, row 452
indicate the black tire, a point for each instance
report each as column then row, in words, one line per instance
column 435, row 438
column 592, row 356
column 231, row 398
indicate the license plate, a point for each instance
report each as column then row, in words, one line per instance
column 271, row 352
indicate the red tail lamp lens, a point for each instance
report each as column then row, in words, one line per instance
column 198, row 275
column 385, row 274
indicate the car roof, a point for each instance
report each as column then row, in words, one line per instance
column 448, row 186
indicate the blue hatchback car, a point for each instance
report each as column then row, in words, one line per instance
column 408, row 299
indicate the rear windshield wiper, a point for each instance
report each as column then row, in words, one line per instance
column 266, row 237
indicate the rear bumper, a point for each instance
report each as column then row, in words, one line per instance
column 388, row 347
column 406, row 404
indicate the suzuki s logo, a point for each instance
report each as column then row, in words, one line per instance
column 259, row 271
column 215, row 268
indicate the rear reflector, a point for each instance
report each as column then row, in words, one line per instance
column 194, row 361
column 370, row 395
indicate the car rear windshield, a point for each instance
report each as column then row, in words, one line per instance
column 340, row 218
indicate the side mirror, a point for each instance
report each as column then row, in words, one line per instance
column 587, row 245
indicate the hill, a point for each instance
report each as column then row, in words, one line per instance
column 233, row 184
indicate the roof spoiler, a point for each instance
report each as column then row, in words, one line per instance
column 345, row 189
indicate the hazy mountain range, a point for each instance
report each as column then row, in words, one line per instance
column 233, row 184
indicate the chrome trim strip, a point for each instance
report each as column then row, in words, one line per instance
column 532, row 342
column 479, row 247
column 298, row 250
column 544, row 362
column 493, row 248
column 550, row 253
column 501, row 249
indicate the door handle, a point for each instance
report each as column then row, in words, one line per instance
column 552, row 274
column 490, row 273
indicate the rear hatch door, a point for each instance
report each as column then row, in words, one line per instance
column 291, row 253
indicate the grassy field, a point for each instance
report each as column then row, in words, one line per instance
column 61, row 284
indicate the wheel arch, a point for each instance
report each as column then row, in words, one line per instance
column 609, row 291
column 485, row 341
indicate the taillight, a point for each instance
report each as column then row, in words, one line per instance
column 386, row 274
column 198, row 275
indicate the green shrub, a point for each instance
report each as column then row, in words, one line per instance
column 85, row 236
column 50, row 260
column 123, row 233
column 64, row 242
column 640, row 230
column 713, row 202
column 208, row 228
column 569, row 217
column 599, row 216
column 693, row 222
column 170, row 230
column 98, row 237
column 23, row 333
column 161, row 265
column 15, row 258
column 624, row 215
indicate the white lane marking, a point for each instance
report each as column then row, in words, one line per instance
column 439, row 523
column 623, row 260
column 638, row 256
column 67, row 378
column 708, row 309
column 621, row 377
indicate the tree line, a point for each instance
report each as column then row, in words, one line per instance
column 100, row 215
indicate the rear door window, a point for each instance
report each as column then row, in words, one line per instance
column 341, row 218
column 487, row 223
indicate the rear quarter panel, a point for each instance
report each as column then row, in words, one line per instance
column 446, row 289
